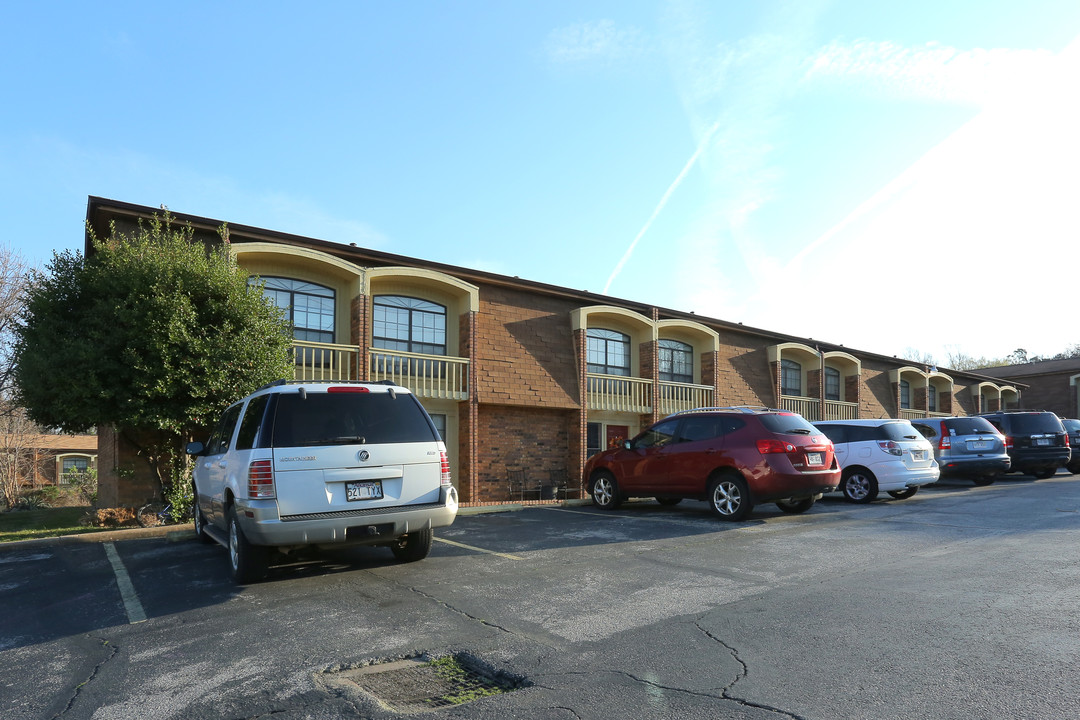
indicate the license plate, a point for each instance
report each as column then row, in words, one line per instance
column 814, row 458
column 918, row 454
column 1043, row 441
column 980, row 445
column 363, row 491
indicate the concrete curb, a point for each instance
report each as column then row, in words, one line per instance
column 179, row 533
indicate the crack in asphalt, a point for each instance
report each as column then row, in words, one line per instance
column 112, row 651
column 726, row 692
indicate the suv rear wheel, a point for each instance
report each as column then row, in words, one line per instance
column 859, row 485
column 793, row 506
column 248, row 562
column 605, row 491
column 414, row 546
column 729, row 497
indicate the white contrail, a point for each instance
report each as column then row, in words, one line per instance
column 662, row 203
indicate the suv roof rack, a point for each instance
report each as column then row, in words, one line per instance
column 745, row 409
column 283, row 381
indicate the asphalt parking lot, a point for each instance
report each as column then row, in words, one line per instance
column 957, row 603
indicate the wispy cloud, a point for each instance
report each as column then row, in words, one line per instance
column 933, row 71
column 591, row 41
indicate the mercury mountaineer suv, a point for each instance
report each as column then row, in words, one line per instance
column 297, row 465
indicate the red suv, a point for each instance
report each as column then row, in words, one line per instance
column 733, row 458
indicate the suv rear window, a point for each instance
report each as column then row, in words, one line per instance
column 1033, row 423
column 349, row 417
column 969, row 426
column 788, row 424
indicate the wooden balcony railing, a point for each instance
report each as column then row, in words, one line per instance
column 618, row 393
column 809, row 408
column 675, row 396
column 325, row 361
column 431, row 376
column 838, row 410
column 909, row 414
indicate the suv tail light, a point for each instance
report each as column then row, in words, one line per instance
column 946, row 440
column 769, row 446
column 261, row 479
column 444, row 469
column 891, row 447
column 1008, row 442
column 1066, row 439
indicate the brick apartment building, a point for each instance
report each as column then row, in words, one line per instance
column 1052, row 385
column 526, row 380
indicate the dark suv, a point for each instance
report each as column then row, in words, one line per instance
column 1072, row 426
column 1036, row 441
column 733, row 458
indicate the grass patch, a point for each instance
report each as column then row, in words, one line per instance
column 47, row 522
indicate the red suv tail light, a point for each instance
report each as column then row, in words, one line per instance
column 444, row 468
column 261, row 479
column 768, row 446
column 1066, row 439
column 946, row 440
column 1008, row 442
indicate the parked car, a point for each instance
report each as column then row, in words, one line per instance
column 1036, row 441
column 1072, row 426
column 733, row 458
column 321, row 464
column 880, row 455
column 966, row 447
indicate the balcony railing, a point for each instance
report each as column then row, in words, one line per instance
column 618, row 393
column 431, row 376
column 909, row 414
column 675, row 396
column 838, row 410
column 325, row 361
column 809, row 408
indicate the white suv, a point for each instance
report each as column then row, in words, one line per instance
column 318, row 464
column 880, row 455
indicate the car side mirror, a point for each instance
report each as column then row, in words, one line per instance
column 195, row 448
column 626, row 444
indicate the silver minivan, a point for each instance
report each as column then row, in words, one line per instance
column 966, row 447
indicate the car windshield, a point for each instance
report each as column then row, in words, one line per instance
column 1031, row 423
column 788, row 424
column 969, row 426
column 349, row 418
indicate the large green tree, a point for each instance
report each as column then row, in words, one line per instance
column 152, row 333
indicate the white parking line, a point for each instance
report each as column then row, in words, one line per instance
column 132, row 605
column 508, row 556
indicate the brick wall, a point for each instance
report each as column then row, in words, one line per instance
column 744, row 373
column 524, row 350
column 531, row 439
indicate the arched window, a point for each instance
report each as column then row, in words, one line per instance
column 676, row 361
column 790, row 378
column 607, row 352
column 905, row 395
column 832, row 384
column 409, row 324
column 310, row 307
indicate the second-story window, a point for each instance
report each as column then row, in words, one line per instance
column 790, row 378
column 310, row 307
column 607, row 352
column 409, row 324
column 932, row 391
column 676, row 361
column 905, row 394
column 832, row 384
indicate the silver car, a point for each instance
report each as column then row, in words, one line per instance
column 966, row 447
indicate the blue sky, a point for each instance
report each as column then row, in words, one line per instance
column 865, row 173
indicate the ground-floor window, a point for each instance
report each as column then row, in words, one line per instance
column 440, row 425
